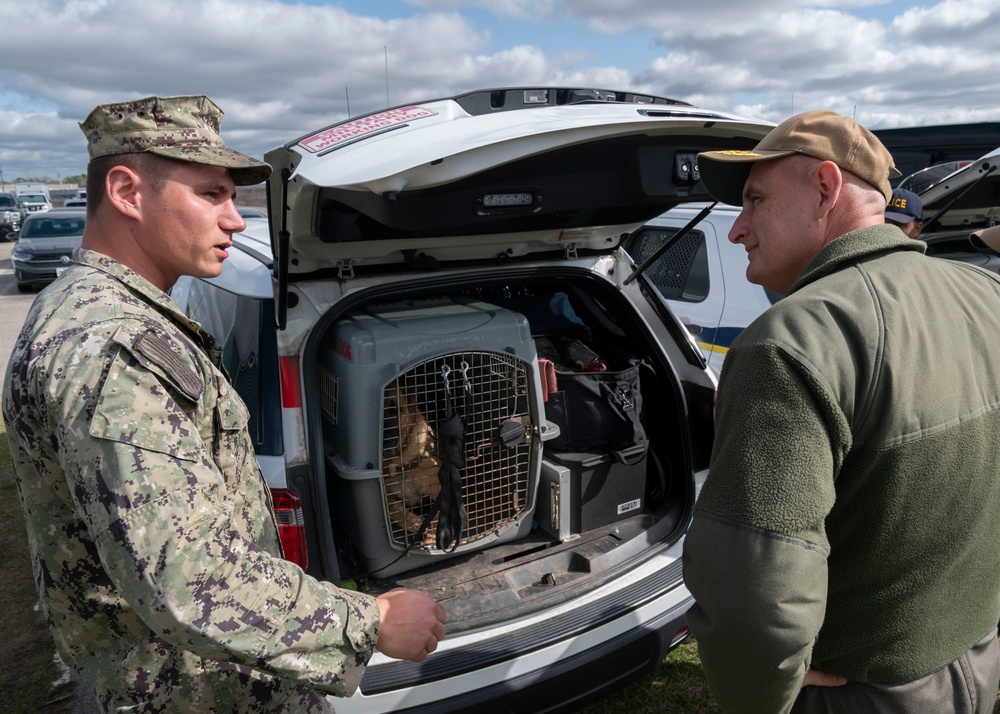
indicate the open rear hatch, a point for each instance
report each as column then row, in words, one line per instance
column 464, row 244
column 966, row 198
column 510, row 171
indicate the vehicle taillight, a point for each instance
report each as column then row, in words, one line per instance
column 291, row 526
column 288, row 373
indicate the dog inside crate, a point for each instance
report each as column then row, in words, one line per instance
column 469, row 484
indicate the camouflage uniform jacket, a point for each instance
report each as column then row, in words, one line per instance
column 153, row 540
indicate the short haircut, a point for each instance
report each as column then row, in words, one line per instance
column 152, row 168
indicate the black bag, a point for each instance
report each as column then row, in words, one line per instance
column 599, row 411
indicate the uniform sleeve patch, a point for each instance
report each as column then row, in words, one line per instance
column 150, row 347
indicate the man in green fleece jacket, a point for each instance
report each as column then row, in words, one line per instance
column 845, row 549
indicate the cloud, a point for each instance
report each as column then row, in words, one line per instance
column 277, row 70
column 950, row 21
column 281, row 68
column 520, row 9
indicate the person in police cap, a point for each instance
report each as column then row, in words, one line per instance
column 155, row 549
column 844, row 553
column 905, row 210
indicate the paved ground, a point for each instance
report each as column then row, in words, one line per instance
column 13, row 309
column 13, row 306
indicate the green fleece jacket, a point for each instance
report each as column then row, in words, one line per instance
column 851, row 517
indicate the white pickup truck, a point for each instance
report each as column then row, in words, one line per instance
column 78, row 200
column 32, row 197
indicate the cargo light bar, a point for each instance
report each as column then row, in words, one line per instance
column 505, row 200
column 515, row 200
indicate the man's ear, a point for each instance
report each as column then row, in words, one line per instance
column 123, row 187
column 829, row 181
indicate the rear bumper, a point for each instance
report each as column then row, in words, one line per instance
column 558, row 661
column 575, row 682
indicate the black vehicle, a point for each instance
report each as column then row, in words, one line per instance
column 44, row 245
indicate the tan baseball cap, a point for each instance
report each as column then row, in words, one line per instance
column 987, row 238
column 184, row 127
column 822, row 134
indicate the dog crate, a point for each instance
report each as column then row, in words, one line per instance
column 393, row 378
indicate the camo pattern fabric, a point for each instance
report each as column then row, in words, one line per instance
column 152, row 535
column 184, row 127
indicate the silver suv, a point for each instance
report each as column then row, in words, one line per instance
column 407, row 330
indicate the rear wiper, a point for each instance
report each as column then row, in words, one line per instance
column 670, row 241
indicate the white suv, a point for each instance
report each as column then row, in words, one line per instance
column 702, row 275
column 401, row 331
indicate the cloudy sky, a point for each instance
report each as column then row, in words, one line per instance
column 280, row 68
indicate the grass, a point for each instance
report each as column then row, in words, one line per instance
column 677, row 686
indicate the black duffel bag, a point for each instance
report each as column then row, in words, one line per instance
column 599, row 411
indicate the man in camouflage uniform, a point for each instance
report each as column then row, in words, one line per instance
column 154, row 544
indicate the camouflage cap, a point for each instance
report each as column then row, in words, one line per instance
column 184, row 127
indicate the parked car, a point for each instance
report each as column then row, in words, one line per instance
column 968, row 197
column 960, row 198
column 10, row 217
column 252, row 212
column 44, row 245
column 919, row 147
column 32, row 198
column 920, row 181
column 433, row 265
column 702, row 275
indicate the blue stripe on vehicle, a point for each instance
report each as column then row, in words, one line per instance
column 717, row 340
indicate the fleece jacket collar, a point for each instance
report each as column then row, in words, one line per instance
column 854, row 246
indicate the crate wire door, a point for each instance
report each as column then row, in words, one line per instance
column 492, row 394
